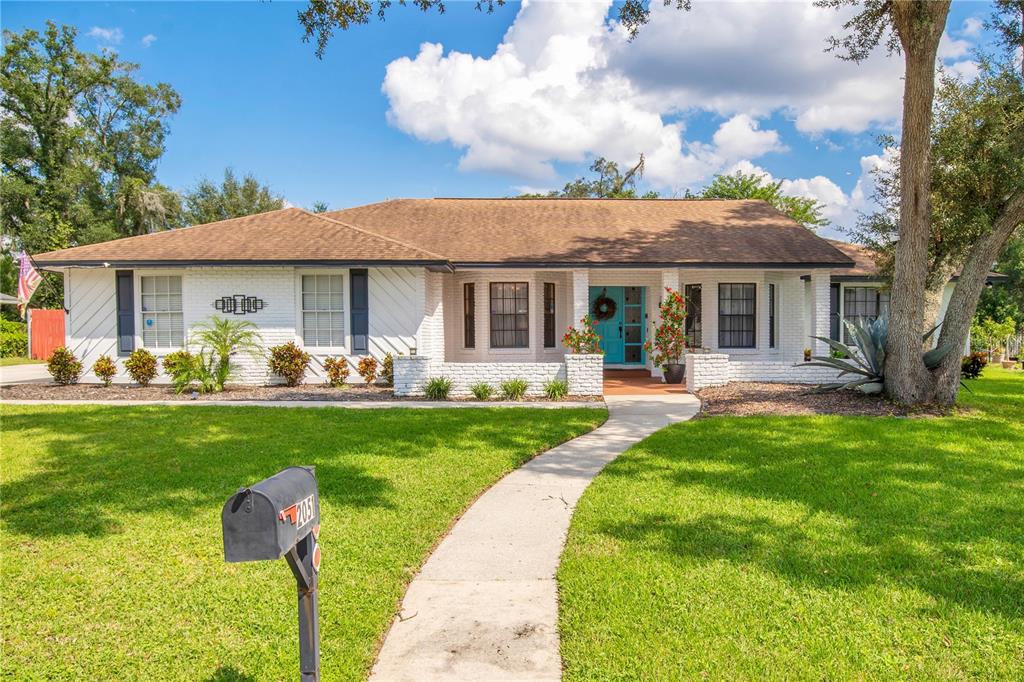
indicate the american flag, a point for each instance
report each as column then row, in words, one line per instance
column 28, row 280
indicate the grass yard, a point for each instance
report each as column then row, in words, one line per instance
column 18, row 360
column 814, row 548
column 112, row 564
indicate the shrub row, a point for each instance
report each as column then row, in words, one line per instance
column 439, row 388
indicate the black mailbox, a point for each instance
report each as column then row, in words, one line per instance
column 266, row 520
column 280, row 517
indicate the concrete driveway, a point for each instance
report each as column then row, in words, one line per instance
column 24, row 374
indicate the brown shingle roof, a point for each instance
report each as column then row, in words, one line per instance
column 485, row 231
column 863, row 260
column 597, row 231
column 290, row 235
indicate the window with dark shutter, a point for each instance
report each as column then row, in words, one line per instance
column 549, row 315
column 736, row 315
column 694, row 336
column 469, row 315
column 510, row 315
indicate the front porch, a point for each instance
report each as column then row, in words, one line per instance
column 637, row 382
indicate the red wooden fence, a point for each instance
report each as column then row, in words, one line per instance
column 47, row 332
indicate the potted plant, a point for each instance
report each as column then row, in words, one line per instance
column 669, row 343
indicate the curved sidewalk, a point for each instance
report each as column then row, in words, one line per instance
column 485, row 605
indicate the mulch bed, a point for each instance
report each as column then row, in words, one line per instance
column 744, row 399
column 351, row 392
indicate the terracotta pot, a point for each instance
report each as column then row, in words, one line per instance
column 674, row 373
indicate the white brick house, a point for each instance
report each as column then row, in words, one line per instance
column 477, row 290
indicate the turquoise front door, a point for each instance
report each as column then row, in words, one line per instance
column 622, row 333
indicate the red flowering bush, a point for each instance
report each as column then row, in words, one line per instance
column 669, row 342
column 584, row 340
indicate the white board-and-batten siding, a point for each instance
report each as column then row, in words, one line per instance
column 396, row 299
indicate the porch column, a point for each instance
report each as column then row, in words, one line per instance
column 820, row 310
column 580, row 295
column 670, row 279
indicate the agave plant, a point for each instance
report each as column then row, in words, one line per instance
column 220, row 339
column 864, row 359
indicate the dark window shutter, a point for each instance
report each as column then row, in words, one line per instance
column 833, row 312
column 125, row 295
column 360, row 313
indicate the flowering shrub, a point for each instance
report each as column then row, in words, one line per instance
column 63, row 366
column 141, row 366
column 289, row 362
column 104, row 369
column 337, row 371
column 584, row 340
column 669, row 342
column 367, row 369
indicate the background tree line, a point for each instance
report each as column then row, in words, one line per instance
column 80, row 140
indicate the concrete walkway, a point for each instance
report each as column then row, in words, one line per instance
column 485, row 605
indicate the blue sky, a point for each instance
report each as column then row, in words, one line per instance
column 726, row 86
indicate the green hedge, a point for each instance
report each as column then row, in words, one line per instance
column 13, row 339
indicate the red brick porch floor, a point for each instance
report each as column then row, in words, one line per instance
column 636, row 382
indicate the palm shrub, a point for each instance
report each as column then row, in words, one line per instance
column 221, row 339
column 367, row 369
column 482, row 391
column 289, row 362
column 63, row 366
column 865, row 357
column 438, row 388
column 337, row 371
column 514, row 389
column 141, row 366
column 104, row 369
column 556, row 389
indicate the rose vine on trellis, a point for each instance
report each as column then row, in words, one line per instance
column 669, row 343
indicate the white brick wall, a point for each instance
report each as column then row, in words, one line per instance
column 583, row 372
column 716, row 369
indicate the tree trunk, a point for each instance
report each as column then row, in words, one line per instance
column 964, row 302
column 919, row 26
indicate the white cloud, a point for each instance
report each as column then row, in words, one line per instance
column 565, row 84
column 952, row 48
column 972, row 27
column 111, row 36
column 148, row 40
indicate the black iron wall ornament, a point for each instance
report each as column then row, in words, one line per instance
column 604, row 307
column 239, row 304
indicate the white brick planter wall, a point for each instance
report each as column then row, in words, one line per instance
column 716, row 369
column 585, row 374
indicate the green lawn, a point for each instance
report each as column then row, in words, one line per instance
column 112, row 563
column 816, row 548
column 17, row 360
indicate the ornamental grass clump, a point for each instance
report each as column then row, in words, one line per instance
column 669, row 343
column 337, row 371
column 556, row 389
column 105, row 369
column 141, row 366
column 367, row 369
column 583, row 340
column 514, row 389
column 482, row 391
column 64, row 367
column 438, row 388
column 289, row 362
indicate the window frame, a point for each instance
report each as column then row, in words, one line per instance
column 469, row 314
column 549, row 312
column 491, row 316
column 773, row 302
column 752, row 315
column 693, row 329
column 346, row 327
column 140, row 314
column 878, row 292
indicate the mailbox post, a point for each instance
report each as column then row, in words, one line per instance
column 280, row 517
